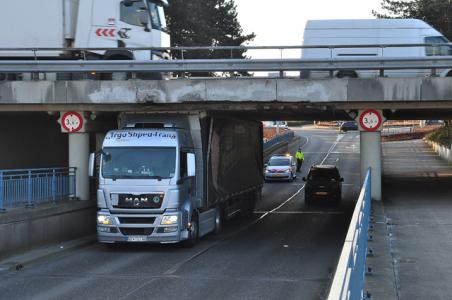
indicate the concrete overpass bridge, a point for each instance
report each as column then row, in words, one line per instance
column 419, row 93
column 263, row 98
column 257, row 98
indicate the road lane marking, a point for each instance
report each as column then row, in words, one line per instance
column 302, row 212
column 338, row 139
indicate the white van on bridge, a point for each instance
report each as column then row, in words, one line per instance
column 383, row 37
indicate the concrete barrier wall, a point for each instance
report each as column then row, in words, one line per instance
column 24, row 229
column 444, row 152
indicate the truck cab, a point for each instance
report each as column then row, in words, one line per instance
column 66, row 24
column 146, row 186
column 126, row 24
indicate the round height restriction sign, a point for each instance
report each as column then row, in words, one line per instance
column 72, row 121
column 370, row 120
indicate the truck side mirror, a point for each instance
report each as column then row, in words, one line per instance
column 191, row 165
column 91, row 164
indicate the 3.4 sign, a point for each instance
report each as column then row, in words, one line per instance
column 370, row 120
column 72, row 122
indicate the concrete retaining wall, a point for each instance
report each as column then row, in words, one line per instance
column 444, row 152
column 24, row 229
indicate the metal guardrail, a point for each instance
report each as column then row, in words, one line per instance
column 286, row 137
column 348, row 281
column 32, row 186
column 183, row 49
column 229, row 65
column 349, row 62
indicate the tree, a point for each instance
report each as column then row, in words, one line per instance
column 437, row 13
column 194, row 23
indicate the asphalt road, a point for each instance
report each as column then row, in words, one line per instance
column 286, row 251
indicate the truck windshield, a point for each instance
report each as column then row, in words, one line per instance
column 138, row 162
column 157, row 17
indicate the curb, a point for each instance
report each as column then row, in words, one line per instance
column 18, row 262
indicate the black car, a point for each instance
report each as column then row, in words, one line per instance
column 323, row 183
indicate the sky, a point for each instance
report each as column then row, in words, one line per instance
column 281, row 22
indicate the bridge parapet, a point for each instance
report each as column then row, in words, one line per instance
column 412, row 92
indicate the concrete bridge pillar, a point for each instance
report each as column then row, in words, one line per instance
column 371, row 158
column 78, row 157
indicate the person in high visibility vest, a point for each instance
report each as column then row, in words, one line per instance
column 300, row 157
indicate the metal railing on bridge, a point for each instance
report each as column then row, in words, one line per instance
column 227, row 63
column 348, row 281
column 28, row 187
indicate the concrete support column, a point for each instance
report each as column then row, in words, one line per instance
column 371, row 157
column 78, row 157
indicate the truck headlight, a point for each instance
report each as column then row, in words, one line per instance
column 169, row 220
column 104, row 220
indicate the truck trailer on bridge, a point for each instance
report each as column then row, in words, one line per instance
column 168, row 179
column 66, row 25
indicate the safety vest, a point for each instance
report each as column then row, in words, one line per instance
column 299, row 155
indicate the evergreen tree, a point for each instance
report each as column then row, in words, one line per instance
column 193, row 23
column 437, row 13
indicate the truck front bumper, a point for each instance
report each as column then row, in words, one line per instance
column 126, row 228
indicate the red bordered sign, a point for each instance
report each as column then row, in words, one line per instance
column 72, row 121
column 370, row 120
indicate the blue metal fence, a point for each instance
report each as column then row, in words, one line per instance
column 348, row 281
column 31, row 186
column 286, row 137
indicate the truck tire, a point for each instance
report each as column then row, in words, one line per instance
column 218, row 220
column 193, row 235
column 116, row 75
column 347, row 74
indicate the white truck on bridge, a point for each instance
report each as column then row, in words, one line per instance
column 73, row 24
column 167, row 179
column 373, row 32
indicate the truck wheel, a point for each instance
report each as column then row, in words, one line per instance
column 218, row 220
column 347, row 74
column 193, row 233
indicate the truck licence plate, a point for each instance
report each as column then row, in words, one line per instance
column 321, row 193
column 137, row 239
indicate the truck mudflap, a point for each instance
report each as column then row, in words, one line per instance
column 141, row 228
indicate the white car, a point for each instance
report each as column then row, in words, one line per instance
column 281, row 167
